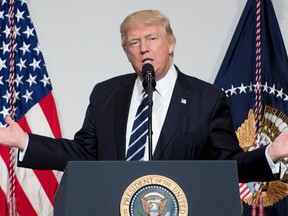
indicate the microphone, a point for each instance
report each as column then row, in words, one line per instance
column 149, row 84
column 148, row 75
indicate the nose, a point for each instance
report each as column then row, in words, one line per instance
column 144, row 46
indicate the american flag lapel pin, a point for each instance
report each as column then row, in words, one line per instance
column 183, row 101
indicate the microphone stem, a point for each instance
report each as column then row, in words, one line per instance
column 150, row 104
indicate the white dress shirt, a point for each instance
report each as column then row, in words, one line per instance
column 161, row 101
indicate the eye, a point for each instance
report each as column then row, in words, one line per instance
column 133, row 43
column 152, row 38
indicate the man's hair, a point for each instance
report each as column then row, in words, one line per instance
column 146, row 17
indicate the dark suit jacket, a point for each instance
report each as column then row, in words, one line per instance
column 201, row 129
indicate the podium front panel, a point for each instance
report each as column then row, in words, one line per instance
column 92, row 188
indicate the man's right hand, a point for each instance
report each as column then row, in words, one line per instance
column 13, row 135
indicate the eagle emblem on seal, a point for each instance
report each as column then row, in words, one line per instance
column 154, row 204
column 273, row 123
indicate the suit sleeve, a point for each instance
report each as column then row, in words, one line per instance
column 253, row 165
column 49, row 153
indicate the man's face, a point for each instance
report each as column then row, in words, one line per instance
column 149, row 44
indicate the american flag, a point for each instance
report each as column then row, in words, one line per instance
column 245, row 191
column 26, row 95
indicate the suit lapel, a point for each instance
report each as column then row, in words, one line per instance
column 121, row 107
column 179, row 104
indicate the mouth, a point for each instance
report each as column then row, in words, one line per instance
column 146, row 61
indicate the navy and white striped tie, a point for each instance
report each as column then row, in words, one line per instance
column 138, row 138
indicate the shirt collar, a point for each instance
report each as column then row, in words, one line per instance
column 166, row 82
column 162, row 85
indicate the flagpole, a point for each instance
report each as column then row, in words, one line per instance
column 258, row 103
column 258, row 92
column 12, row 162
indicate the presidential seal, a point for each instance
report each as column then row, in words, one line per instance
column 153, row 195
column 273, row 123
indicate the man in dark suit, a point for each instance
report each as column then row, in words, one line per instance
column 191, row 117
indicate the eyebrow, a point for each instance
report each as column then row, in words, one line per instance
column 145, row 36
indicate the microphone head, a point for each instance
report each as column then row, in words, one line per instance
column 148, row 74
column 147, row 68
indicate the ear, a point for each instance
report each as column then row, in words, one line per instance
column 171, row 44
column 171, row 48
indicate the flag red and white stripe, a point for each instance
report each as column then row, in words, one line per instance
column 35, row 189
column 245, row 192
column 26, row 95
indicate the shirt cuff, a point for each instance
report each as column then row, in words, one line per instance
column 22, row 152
column 277, row 167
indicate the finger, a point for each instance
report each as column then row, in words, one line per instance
column 8, row 120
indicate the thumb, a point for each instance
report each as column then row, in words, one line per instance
column 9, row 120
